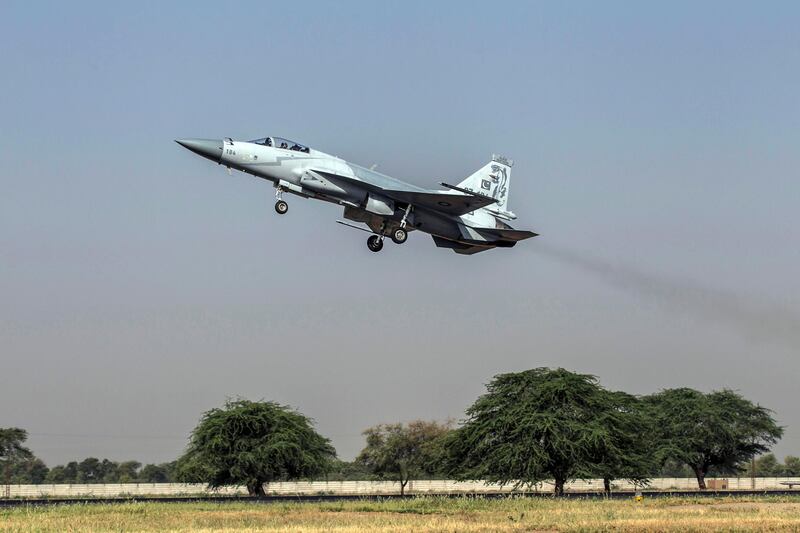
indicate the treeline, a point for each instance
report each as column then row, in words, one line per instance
column 540, row 425
column 768, row 466
column 91, row 470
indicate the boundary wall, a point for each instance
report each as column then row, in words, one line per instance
column 371, row 488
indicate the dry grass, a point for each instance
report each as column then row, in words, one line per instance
column 421, row 514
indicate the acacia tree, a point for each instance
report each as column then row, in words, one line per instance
column 628, row 452
column 252, row 443
column 12, row 451
column 538, row 424
column 720, row 430
column 403, row 451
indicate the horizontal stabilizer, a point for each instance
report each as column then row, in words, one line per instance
column 459, row 247
column 507, row 234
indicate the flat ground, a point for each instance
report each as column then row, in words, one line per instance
column 420, row 514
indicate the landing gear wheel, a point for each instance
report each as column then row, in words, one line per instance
column 375, row 243
column 399, row 236
column 281, row 207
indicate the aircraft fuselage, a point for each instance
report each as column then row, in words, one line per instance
column 364, row 193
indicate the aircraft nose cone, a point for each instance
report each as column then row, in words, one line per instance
column 210, row 148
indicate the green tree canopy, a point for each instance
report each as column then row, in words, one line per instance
column 11, row 448
column 63, row 474
column 28, row 471
column 126, row 472
column 12, row 451
column 627, row 453
column 718, row 430
column 791, row 466
column 252, row 443
column 403, row 451
column 542, row 424
column 767, row 466
column 157, row 473
column 92, row 470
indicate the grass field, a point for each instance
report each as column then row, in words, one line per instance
column 420, row 514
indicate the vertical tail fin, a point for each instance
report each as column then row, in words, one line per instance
column 492, row 180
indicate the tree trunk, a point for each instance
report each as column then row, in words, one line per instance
column 403, row 484
column 701, row 477
column 558, row 490
column 256, row 488
column 607, row 485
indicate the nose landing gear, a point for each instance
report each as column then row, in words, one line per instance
column 281, row 207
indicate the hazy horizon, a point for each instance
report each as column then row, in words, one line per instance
column 655, row 148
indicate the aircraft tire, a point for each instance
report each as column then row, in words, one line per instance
column 281, row 207
column 399, row 236
column 375, row 243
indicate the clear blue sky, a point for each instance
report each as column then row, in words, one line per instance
column 140, row 285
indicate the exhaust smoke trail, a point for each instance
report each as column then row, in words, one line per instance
column 755, row 320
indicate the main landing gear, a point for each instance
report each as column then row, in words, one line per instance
column 281, row 207
column 375, row 243
column 399, row 236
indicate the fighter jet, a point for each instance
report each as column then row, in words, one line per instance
column 467, row 218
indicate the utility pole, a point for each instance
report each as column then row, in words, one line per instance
column 8, row 478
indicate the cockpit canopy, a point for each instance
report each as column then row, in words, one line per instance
column 278, row 142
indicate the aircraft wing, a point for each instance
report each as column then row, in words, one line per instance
column 451, row 203
column 444, row 202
